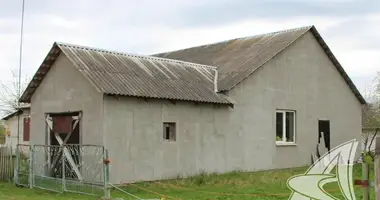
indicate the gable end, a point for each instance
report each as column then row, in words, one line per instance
column 338, row 66
column 329, row 54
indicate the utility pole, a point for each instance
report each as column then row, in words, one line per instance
column 19, row 71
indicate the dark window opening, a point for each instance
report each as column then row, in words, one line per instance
column 279, row 127
column 169, row 131
column 324, row 129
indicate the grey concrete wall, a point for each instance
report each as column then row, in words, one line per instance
column 301, row 78
column 64, row 89
column 137, row 150
column 11, row 124
column 219, row 139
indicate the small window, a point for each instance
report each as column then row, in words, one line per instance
column 26, row 128
column 169, row 131
column 285, row 126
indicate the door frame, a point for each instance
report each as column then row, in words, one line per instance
column 48, row 134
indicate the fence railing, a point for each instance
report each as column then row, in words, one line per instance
column 67, row 168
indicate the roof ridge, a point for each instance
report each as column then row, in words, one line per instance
column 277, row 32
column 135, row 55
column 240, row 38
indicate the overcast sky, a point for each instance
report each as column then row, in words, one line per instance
column 351, row 28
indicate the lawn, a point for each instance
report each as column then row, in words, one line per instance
column 264, row 185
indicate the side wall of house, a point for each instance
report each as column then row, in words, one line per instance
column 218, row 138
column 12, row 126
column 301, row 78
column 65, row 89
column 136, row 144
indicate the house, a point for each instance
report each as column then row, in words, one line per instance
column 17, row 125
column 255, row 103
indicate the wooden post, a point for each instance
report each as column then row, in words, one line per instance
column 365, row 175
column 377, row 169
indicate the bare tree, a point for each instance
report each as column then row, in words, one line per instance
column 371, row 120
column 9, row 93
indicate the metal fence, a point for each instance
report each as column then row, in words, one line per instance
column 67, row 168
column 22, row 169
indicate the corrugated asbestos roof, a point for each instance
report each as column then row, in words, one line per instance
column 19, row 110
column 117, row 73
column 10, row 115
column 174, row 75
column 238, row 58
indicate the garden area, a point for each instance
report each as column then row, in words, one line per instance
column 263, row 185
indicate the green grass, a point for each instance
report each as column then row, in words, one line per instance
column 271, row 185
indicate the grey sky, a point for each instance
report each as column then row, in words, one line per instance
column 349, row 27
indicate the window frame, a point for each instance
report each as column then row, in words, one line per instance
column 283, row 141
column 172, row 137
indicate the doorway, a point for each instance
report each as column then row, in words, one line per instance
column 64, row 129
column 324, row 132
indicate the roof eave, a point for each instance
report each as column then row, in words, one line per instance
column 15, row 113
column 40, row 74
column 227, row 101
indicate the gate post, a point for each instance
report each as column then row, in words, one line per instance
column 107, row 192
column 31, row 176
column 63, row 171
column 15, row 169
column 365, row 178
column 377, row 169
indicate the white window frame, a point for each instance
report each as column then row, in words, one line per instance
column 284, row 142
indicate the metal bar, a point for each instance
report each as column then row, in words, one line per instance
column 63, row 173
column 31, row 178
column 107, row 192
column 16, row 169
column 121, row 190
column 43, row 188
column 11, row 161
column 78, row 192
column 47, row 177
